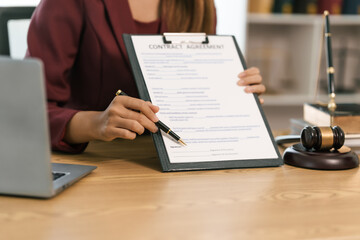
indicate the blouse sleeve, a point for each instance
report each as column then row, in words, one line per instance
column 54, row 36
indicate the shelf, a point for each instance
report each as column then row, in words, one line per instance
column 287, row 49
column 285, row 100
column 282, row 19
column 300, row 19
column 300, row 99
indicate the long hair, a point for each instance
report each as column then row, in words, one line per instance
column 189, row 15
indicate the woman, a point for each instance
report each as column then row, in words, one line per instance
column 80, row 43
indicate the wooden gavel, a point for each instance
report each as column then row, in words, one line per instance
column 318, row 138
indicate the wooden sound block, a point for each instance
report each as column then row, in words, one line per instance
column 343, row 158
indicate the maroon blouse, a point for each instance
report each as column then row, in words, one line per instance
column 81, row 45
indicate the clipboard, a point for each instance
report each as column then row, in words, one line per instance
column 169, row 71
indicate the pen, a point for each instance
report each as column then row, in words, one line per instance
column 159, row 124
column 330, row 67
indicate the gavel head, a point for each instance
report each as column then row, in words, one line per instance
column 322, row 138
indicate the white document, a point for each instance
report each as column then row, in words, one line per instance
column 195, row 86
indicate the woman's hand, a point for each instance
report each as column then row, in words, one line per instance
column 252, row 79
column 124, row 118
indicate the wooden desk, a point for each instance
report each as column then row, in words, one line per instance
column 128, row 197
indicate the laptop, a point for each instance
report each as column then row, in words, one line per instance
column 25, row 166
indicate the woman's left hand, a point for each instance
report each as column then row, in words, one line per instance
column 252, row 79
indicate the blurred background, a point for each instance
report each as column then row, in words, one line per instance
column 284, row 39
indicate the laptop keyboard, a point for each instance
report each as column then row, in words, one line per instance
column 57, row 175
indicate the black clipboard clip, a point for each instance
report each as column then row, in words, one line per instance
column 180, row 38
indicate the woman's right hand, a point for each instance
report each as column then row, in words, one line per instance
column 124, row 118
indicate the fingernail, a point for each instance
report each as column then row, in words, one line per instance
column 241, row 82
column 242, row 74
column 248, row 90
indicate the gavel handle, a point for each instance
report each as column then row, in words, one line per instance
column 287, row 139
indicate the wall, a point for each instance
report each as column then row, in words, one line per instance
column 5, row 3
column 231, row 19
